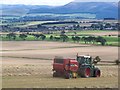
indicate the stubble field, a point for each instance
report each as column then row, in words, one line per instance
column 28, row 64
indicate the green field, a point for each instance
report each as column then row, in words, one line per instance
column 111, row 40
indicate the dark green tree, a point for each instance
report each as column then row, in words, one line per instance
column 76, row 38
column 73, row 38
column 43, row 37
column 101, row 40
column 23, row 36
column 11, row 36
column 51, row 37
column 107, row 25
column 64, row 38
column 36, row 36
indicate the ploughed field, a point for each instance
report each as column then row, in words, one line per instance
column 28, row 64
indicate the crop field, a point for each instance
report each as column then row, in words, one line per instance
column 28, row 64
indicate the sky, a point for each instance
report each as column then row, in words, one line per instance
column 49, row 2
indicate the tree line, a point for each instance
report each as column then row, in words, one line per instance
column 61, row 37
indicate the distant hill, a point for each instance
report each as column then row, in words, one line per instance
column 14, row 9
column 19, row 9
column 101, row 9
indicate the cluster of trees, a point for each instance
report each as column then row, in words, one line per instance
column 76, row 38
column 89, row 39
column 41, row 36
column 13, row 36
column 62, row 37
column 23, row 36
column 92, row 39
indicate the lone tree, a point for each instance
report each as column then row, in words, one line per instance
column 51, row 37
column 103, row 42
column 23, row 36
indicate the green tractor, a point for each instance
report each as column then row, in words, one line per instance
column 87, row 67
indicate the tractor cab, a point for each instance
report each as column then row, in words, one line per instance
column 84, row 60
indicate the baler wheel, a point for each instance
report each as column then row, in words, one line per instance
column 68, row 75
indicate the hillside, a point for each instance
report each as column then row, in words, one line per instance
column 100, row 9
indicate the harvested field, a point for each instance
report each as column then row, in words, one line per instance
column 29, row 64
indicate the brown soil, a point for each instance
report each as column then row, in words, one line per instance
column 29, row 64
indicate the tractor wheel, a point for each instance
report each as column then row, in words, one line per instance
column 86, row 72
column 97, row 72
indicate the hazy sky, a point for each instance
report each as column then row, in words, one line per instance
column 49, row 2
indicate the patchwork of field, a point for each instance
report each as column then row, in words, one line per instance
column 29, row 64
